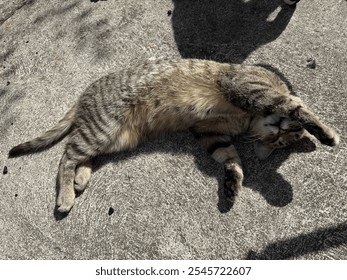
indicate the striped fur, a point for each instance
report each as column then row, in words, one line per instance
column 214, row 100
column 55, row 134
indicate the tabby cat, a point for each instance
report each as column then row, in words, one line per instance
column 214, row 100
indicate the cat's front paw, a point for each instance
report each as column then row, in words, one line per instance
column 232, row 183
column 331, row 137
column 324, row 134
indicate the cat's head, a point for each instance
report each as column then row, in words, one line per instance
column 273, row 132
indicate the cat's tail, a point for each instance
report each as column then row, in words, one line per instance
column 50, row 137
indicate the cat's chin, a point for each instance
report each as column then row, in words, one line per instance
column 262, row 151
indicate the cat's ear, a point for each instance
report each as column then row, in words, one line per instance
column 262, row 150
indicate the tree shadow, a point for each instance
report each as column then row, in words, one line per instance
column 55, row 12
column 88, row 30
column 7, row 119
column 227, row 31
column 315, row 241
column 7, row 100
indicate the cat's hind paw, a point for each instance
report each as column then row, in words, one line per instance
column 83, row 175
column 65, row 201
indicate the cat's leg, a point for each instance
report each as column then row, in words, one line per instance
column 233, row 169
column 266, row 102
column 66, row 193
column 77, row 156
column 74, row 171
column 219, row 147
column 75, row 165
column 83, row 175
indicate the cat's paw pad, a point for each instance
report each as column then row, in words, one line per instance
column 232, row 184
column 228, row 190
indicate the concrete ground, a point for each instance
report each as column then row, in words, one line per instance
column 166, row 195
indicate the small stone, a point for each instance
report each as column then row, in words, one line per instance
column 169, row 12
column 5, row 171
column 15, row 195
column 110, row 211
column 311, row 63
column 8, row 83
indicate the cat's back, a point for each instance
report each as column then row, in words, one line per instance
column 157, row 74
column 173, row 71
column 127, row 79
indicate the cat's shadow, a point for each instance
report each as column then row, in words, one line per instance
column 225, row 30
column 260, row 176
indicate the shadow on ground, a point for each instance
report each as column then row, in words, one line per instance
column 262, row 175
column 274, row 188
column 227, row 31
column 318, row 240
column 7, row 98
